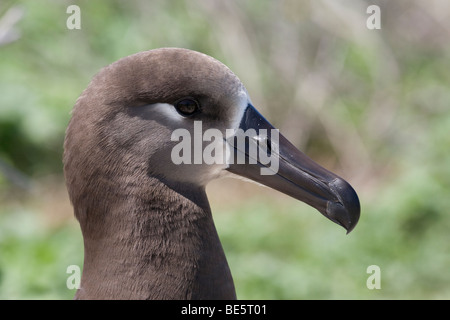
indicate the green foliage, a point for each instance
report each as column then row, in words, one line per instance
column 34, row 257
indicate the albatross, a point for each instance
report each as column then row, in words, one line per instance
column 144, row 214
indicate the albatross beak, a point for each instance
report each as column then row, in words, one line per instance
column 281, row 166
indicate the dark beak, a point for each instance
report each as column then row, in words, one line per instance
column 276, row 163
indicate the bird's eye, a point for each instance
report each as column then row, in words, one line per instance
column 187, row 107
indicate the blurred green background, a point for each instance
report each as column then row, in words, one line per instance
column 370, row 105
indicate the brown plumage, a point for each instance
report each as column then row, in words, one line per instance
column 146, row 222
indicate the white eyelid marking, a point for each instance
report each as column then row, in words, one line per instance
column 167, row 111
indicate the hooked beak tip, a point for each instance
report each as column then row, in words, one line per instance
column 342, row 216
column 346, row 211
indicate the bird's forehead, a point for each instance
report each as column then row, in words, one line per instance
column 165, row 75
column 196, row 74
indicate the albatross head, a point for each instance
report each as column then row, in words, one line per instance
column 178, row 116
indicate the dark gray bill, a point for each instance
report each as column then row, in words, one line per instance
column 290, row 171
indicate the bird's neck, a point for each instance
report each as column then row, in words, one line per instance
column 159, row 246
